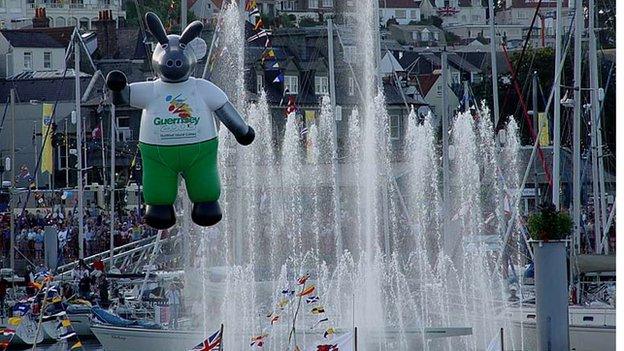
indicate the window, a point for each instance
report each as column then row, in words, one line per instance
column 414, row 14
column 456, row 77
column 349, row 53
column 439, row 89
column 313, row 4
column 328, row 3
column 123, row 122
column 47, row 59
column 28, row 60
column 395, row 127
column 416, row 35
column 321, row 85
column 400, row 14
column 259, row 83
column 425, row 35
column 476, row 18
column 436, row 36
column 351, row 87
column 292, row 84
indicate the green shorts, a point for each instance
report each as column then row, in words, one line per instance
column 196, row 162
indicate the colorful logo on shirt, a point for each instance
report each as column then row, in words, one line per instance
column 178, row 106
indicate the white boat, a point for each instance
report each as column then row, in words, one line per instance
column 25, row 332
column 591, row 329
column 124, row 338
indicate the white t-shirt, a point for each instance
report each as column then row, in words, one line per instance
column 177, row 113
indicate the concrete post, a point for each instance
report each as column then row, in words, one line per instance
column 551, row 295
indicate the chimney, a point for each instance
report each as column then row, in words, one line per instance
column 40, row 20
column 106, row 32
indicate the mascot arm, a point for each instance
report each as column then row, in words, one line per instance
column 117, row 82
column 228, row 115
column 218, row 102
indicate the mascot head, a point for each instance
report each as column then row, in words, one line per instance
column 173, row 59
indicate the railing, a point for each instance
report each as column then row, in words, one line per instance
column 78, row 6
column 125, row 252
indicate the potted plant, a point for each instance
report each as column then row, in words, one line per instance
column 549, row 230
column 549, row 224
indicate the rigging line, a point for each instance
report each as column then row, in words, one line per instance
column 6, row 108
column 528, row 119
column 45, row 138
column 524, row 48
column 144, row 33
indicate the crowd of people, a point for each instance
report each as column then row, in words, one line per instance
column 30, row 232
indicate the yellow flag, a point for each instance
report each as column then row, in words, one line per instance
column 543, row 129
column 66, row 323
column 47, row 164
column 77, row 345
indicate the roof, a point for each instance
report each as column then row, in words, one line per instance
column 27, row 75
column 44, row 90
column 426, row 82
column 390, row 4
column 58, row 37
column 533, row 3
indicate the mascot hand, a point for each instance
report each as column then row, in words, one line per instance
column 247, row 138
column 116, row 81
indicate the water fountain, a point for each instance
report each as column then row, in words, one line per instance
column 375, row 253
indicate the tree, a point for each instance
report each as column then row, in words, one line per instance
column 168, row 14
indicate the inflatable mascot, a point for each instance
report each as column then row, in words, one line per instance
column 178, row 134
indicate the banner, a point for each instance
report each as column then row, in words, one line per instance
column 47, row 163
column 542, row 122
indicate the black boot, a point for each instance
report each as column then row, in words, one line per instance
column 159, row 216
column 206, row 213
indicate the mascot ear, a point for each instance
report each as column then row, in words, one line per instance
column 156, row 27
column 191, row 32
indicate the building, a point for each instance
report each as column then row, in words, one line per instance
column 457, row 12
column 33, row 49
column 16, row 14
column 520, row 13
column 399, row 11
column 205, row 10
column 418, row 35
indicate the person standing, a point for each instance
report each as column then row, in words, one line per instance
column 4, row 285
column 173, row 299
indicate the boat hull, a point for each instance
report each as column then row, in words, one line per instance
column 581, row 338
column 81, row 323
column 122, row 339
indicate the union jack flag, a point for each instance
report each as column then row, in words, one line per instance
column 212, row 343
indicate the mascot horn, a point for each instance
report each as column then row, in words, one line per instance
column 178, row 134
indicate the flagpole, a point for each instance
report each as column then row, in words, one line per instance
column 502, row 340
column 355, row 338
column 221, row 335
column 79, row 143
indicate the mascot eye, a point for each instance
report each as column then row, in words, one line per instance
column 178, row 63
column 164, row 46
column 183, row 46
column 169, row 63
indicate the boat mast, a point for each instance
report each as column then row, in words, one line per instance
column 13, row 193
column 493, row 43
column 600, row 208
column 557, row 109
column 332, row 98
column 593, row 108
column 576, row 127
column 79, row 142
column 445, row 145
column 536, row 127
column 113, row 136
column 183, row 14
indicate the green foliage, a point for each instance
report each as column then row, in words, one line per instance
column 451, row 38
column 159, row 7
column 431, row 21
column 308, row 22
column 549, row 224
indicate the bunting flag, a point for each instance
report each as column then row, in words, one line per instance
column 322, row 320
column 312, row 299
column 307, row 291
column 261, row 34
column 8, row 332
column 254, row 12
column 65, row 323
column 292, row 107
column 318, row 310
column 288, row 292
column 303, row 132
column 274, row 319
column 282, row 303
column 212, row 343
column 76, row 345
column 544, row 135
column 303, row 279
column 279, row 78
column 268, row 54
column 258, row 341
column 47, row 161
column 250, row 5
column 329, row 332
column 344, row 342
column 259, row 24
